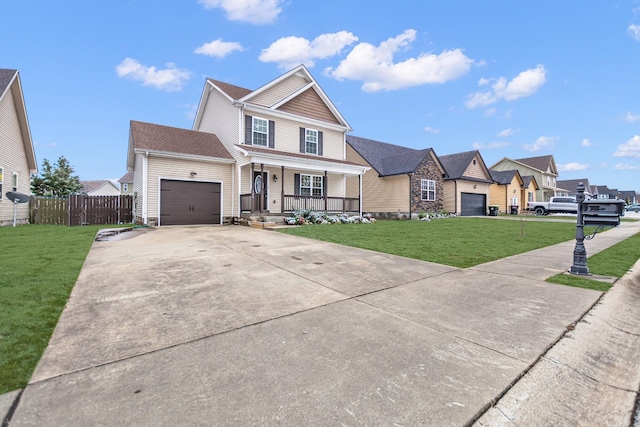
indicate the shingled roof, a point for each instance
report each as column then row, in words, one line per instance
column 6, row 75
column 456, row 164
column 234, row 92
column 127, row 177
column 503, row 177
column 168, row 139
column 572, row 184
column 388, row 159
column 526, row 180
column 541, row 163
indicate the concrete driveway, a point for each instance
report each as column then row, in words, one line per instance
column 238, row 326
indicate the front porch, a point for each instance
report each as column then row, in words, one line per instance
column 254, row 204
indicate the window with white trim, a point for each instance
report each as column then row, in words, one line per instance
column 15, row 181
column 428, row 188
column 311, row 141
column 530, row 196
column 260, row 132
column 311, row 185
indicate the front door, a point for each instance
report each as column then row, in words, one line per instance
column 260, row 191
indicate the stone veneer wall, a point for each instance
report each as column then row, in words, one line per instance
column 426, row 170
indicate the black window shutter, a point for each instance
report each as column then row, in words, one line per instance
column 248, row 129
column 296, row 184
column 302, row 138
column 319, row 143
column 272, row 134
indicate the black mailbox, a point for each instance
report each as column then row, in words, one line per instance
column 603, row 212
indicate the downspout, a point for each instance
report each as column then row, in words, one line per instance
column 145, row 189
column 455, row 195
column 360, row 192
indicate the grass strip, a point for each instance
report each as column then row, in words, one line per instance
column 40, row 265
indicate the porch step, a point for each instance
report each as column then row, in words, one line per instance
column 262, row 224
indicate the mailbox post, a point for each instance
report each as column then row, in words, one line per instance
column 579, row 252
column 597, row 213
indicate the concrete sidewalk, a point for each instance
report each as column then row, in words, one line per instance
column 237, row 326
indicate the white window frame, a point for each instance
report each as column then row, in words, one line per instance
column 14, row 182
column 530, row 196
column 311, row 141
column 311, row 188
column 428, row 189
column 255, row 131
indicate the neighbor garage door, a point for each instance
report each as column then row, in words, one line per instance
column 189, row 202
column 473, row 204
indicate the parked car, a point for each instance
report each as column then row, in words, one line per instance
column 632, row 208
column 554, row 205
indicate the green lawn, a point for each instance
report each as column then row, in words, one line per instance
column 465, row 242
column 39, row 266
column 459, row 242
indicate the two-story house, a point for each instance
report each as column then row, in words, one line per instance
column 542, row 168
column 268, row 151
column 17, row 156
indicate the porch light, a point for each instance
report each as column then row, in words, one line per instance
column 275, row 178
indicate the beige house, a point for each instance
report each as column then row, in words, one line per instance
column 17, row 156
column 260, row 152
column 100, row 187
column 401, row 182
column 126, row 184
column 511, row 191
column 466, row 184
column 542, row 168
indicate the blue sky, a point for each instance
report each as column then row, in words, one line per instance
column 510, row 78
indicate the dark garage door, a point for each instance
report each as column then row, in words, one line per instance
column 473, row 204
column 189, row 202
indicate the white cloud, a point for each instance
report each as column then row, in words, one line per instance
column 507, row 133
column 252, row 11
column 48, row 145
column 169, row 79
column 540, row 143
column 490, row 145
column 631, row 148
column 292, row 51
column 524, row 84
column 634, row 31
column 586, row 142
column 626, row 167
column 218, row 48
column 375, row 67
column 631, row 117
column 429, row 129
column 573, row 166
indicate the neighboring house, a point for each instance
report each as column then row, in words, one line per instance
column 401, row 180
column 17, row 156
column 605, row 192
column 569, row 187
column 126, row 184
column 506, row 190
column 467, row 183
column 628, row 196
column 102, row 187
column 251, row 152
column 543, row 169
column 529, row 189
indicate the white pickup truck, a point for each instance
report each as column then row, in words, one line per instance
column 554, row 205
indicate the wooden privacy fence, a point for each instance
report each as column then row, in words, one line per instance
column 82, row 210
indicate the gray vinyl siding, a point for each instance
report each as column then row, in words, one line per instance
column 13, row 159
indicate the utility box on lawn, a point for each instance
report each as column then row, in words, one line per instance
column 602, row 212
